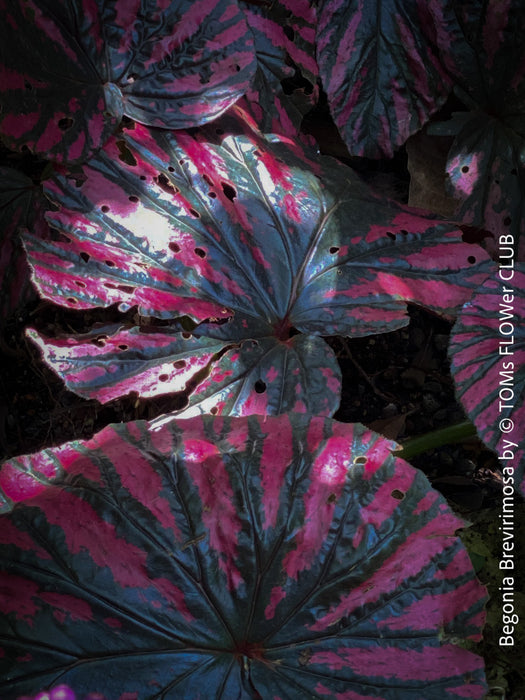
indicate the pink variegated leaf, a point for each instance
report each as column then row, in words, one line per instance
column 485, row 164
column 381, row 67
column 284, row 87
column 69, row 70
column 487, row 355
column 265, row 557
column 256, row 239
column 110, row 361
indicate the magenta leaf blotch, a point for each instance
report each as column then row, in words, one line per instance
column 70, row 70
column 237, row 557
column 254, row 240
column 487, row 361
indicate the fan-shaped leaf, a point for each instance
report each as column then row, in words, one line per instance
column 380, row 64
column 487, row 354
column 278, row 557
column 69, row 70
column 251, row 234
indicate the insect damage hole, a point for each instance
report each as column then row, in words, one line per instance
column 397, row 494
column 200, row 252
column 360, row 460
column 334, row 249
column 229, row 191
column 65, row 123
column 259, row 386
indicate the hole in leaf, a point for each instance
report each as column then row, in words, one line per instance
column 179, row 364
column 260, row 386
column 360, row 460
column 186, row 335
column 256, row 153
column 507, row 221
column 110, row 285
column 65, row 123
column 339, row 271
column 133, row 198
column 80, row 284
column 237, row 68
column 163, row 377
column 109, row 263
column 99, row 341
column 289, row 32
column 85, row 257
column 123, row 347
column 207, row 179
column 142, row 177
column 174, row 247
column 212, row 194
column 104, row 208
column 127, row 289
column 195, row 213
column 71, row 300
column 125, row 155
column 391, row 235
column 214, row 410
column 164, row 184
column 334, row 249
column 465, row 169
column 200, row 252
column 399, row 495
column 171, row 169
column 229, row 191
column 471, row 259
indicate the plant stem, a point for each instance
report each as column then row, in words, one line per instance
column 437, row 438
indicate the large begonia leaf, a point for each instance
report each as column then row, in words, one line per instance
column 284, row 87
column 20, row 206
column 69, row 70
column 381, row 67
column 252, row 235
column 226, row 558
column 485, row 164
column 487, row 355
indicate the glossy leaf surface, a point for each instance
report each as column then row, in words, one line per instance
column 255, row 239
column 380, row 64
column 70, row 70
column 253, row 557
column 487, row 355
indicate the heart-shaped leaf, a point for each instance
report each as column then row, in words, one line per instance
column 381, row 67
column 253, row 235
column 251, row 557
column 487, row 356
column 69, row 70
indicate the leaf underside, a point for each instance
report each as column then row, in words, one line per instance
column 236, row 557
column 487, row 361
